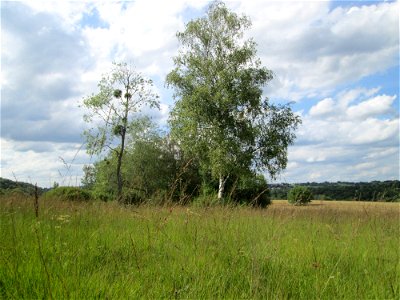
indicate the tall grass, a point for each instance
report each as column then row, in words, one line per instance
column 102, row 250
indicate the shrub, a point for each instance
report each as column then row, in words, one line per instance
column 69, row 193
column 133, row 197
column 300, row 195
column 252, row 190
column 101, row 195
column 205, row 200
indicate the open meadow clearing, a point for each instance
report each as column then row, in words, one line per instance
column 103, row 250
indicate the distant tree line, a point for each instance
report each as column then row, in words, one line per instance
column 388, row 190
column 8, row 186
column 181, row 181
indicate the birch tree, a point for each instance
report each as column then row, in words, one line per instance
column 122, row 95
column 220, row 115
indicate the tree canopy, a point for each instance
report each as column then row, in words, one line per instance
column 122, row 93
column 220, row 116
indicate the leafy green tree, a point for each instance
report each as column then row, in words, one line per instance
column 251, row 189
column 220, row 116
column 105, row 185
column 89, row 176
column 153, row 167
column 122, row 94
column 299, row 195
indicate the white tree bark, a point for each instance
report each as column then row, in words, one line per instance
column 221, row 188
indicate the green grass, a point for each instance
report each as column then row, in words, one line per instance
column 102, row 250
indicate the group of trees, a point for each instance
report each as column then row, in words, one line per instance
column 364, row 191
column 223, row 134
column 154, row 167
column 8, row 186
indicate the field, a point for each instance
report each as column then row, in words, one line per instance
column 326, row 250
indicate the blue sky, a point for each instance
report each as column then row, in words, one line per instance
column 337, row 61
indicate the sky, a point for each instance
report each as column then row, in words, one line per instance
column 337, row 61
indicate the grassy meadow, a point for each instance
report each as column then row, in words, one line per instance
column 326, row 250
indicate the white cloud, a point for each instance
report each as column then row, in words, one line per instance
column 42, row 163
column 140, row 33
column 323, row 108
column 379, row 153
column 364, row 166
column 342, row 163
column 373, row 131
column 336, row 122
column 343, row 141
column 68, row 12
column 345, row 98
column 376, row 106
column 312, row 48
column 319, row 153
column 349, row 132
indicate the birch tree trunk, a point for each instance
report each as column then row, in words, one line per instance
column 221, row 188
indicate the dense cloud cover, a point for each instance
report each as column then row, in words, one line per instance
column 337, row 60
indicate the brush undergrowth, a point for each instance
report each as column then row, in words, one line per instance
column 103, row 250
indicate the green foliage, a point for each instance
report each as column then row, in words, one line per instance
column 117, row 93
column 387, row 191
column 221, row 128
column 151, row 166
column 219, row 117
column 111, row 115
column 299, row 195
column 252, row 190
column 207, row 200
column 89, row 176
column 68, row 193
column 249, row 190
column 9, row 186
column 17, row 192
column 132, row 196
column 153, row 169
column 102, row 195
column 104, row 187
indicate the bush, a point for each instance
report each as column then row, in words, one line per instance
column 206, row 200
column 101, row 195
column 69, row 193
column 252, row 190
column 300, row 195
column 133, row 197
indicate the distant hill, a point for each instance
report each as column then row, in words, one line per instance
column 362, row 191
column 7, row 185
